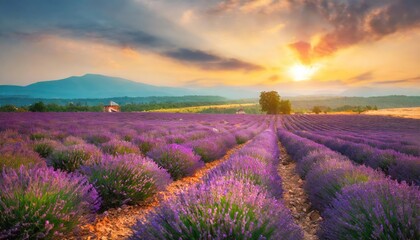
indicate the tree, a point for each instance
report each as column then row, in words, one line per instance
column 38, row 107
column 316, row 109
column 9, row 108
column 270, row 102
column 285, row 106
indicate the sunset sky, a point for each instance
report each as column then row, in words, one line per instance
column 305, row 46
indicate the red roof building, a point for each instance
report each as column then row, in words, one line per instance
column 112, row 107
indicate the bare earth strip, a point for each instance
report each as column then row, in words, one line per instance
column 117, row 223
column 295, row 197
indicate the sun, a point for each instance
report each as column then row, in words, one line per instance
column 300, row 72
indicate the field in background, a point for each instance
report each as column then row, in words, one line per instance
column 200, row 109
column 413, row 112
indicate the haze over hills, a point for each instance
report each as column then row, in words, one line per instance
column 90, row 86
column 100, row 86
column 95, row 86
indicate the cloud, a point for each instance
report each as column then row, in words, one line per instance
column 210, row 61
column 303, row 50
column 135, row 27
column 248, row 6
column 119, row 36
column 399, row 81
column 355, row 21
column 361, row 77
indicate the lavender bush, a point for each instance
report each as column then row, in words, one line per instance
column 72, row 140
column 374, row 210
column 99, row 138
column 178, row 160
column 14, row 155
column 118, row 147
column 221, row 209
column 251, row 170
column 41, row 203
column 310, row 161
column 243, row 136
column 145, row 144
column 126, row 179
column 258, row 152
column 328, row 178
column 45, row 147
column 406, row 170
column 38, row 136
column 208, row 149
column 71, row 158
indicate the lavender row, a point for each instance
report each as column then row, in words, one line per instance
column 402, row 147
column 356, row 202
column 238, row 200
column 210, row 140
column 400, row 132
column 385, row 139
column 48, row 203
column 398, row 165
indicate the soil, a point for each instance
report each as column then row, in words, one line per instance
column 295, row 197
column 117, row 223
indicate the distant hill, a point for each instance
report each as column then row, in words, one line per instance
column 94, row 86
column 90, row 86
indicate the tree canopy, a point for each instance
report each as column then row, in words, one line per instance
column 270, row 102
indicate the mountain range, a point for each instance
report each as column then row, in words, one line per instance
column 95, row 86
column 100, row 86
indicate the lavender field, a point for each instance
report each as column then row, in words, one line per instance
column 199, row 176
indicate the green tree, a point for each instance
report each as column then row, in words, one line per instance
column 9, row 108
column 316, row 109
column 285, row 107
column 38, row 107
column 270, row 102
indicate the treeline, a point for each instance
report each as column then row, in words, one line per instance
column 52, row 107
column 20, row 101
column 71, row 107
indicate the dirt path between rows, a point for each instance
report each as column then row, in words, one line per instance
column 295, row 197
column 116, row 223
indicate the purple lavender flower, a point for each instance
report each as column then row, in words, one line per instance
column 178, row 160
column 381, row 209
column 248, row 169
column 328, row 178
column 208, row 149
column 14, row 155
column 314, row 158
column 406, row 169
column 43, row 203
column 71, row 158
column 220, row 209
column 242, row 136
column 99, row 138
column 126, row 179
column 146, row 144
column 118, row 147
column 45, row 147
column 72, row 140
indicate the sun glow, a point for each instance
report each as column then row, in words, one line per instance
column 300, row 72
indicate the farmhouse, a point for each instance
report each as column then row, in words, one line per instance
column 240, row 111
column 112, row 107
